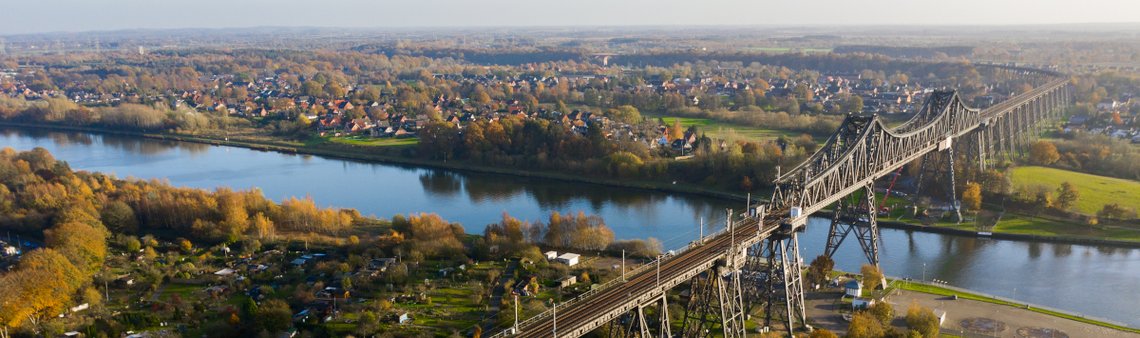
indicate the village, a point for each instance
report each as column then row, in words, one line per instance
column 168, row 286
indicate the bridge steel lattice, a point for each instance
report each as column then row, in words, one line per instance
column 756, row 259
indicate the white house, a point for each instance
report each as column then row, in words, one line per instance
column 551, row 255
column 853, row 288
column 570, row 259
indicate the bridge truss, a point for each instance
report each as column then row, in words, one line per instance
column 756, row 259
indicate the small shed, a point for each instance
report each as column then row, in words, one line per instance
column 853, row 288
column 860, row 303
column 405, row 318
column 551, row 255
column 570, row 259
column 567, row 281
column 941, row 315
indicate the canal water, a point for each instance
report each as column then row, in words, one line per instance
column 1099, row 281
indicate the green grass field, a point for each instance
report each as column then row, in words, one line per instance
column 1095, row 191
column 374, row 141
column 723, row 130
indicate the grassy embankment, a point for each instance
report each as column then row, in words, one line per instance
column 1095, row 191
column 935, row 290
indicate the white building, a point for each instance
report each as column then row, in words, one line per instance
column 570, row 259
column 854, row 288
column 551, row 255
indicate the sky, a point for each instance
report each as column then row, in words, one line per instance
column 20, row 17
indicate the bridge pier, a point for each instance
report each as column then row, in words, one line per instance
column 861, row 219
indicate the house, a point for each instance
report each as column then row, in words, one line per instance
column 551, row 255
column 860, row 303
column 570, row 259
column 853, row 288
column 382, row 264
column 80, row 307
column 567, row 281
column 404, row 318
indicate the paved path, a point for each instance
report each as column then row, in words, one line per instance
column 1014, row 318
column 823, row 312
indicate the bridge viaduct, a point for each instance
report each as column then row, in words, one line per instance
column 755, row 260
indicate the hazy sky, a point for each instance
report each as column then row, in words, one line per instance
column 31, row 16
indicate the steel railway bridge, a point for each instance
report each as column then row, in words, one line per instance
column 755, row 260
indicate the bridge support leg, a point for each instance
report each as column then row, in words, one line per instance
column 785, row 284
column 860, row 219
column 715, row 293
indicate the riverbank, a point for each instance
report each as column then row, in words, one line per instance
column 951, row 298
column 338, row 151
column 349, row 152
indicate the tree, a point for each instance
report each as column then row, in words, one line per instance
column 626, row 113
column 119, row 217
column 872, row 277
column 822, row 333
column 676, row 132
column 1043, row 153
column 922, row 319
column 274, row 315
column 1067, row 196
column 883, row 312
column 864, row 325
column 972, row 196
column 819, row 268
column 185, row 245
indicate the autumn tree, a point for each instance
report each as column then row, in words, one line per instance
column 872, row 276
column 972, row 196
column 864, row 325
column 676, row 132
column 822, row 333
column 1067, row 196
column 625, row 113
column 819, row 268
column 923, row 320
column 882, row 311
column 1043, row 153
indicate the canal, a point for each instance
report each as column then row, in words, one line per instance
column 1100, row 281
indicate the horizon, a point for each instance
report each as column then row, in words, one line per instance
column 74, row 16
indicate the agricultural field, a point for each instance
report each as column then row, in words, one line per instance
column 1095, row 191
column 723, row 130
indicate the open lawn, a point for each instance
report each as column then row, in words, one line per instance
column 718, row 129
column 1095, row 191
column 357, row 140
